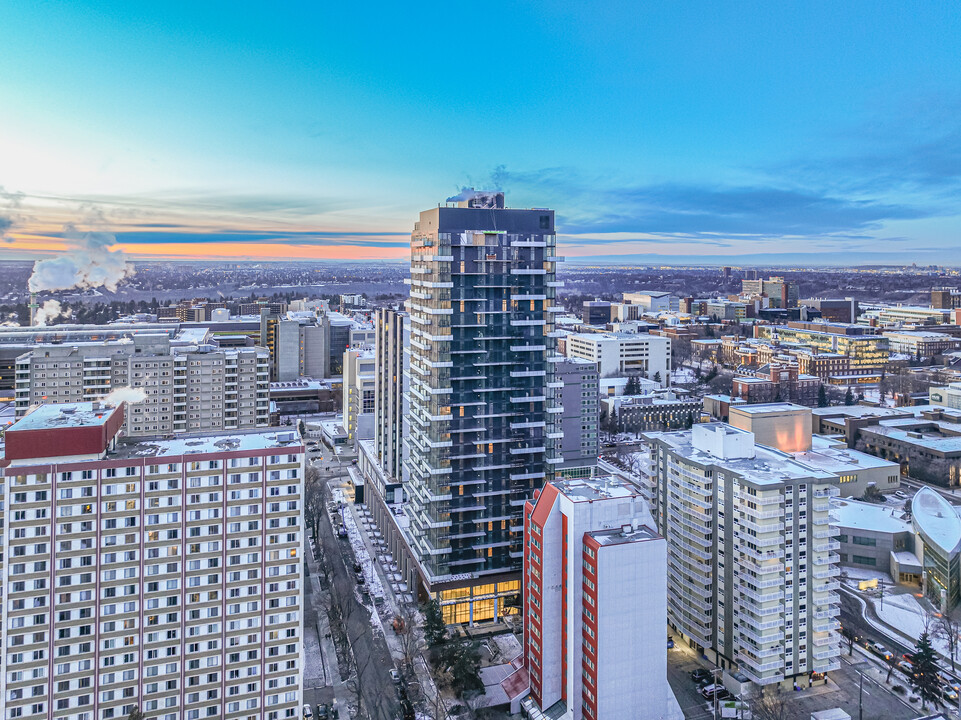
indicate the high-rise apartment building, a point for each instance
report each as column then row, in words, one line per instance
column 187, row 387
column 391, row 379
column 359, row 394
column 163, row 575
column 581, row 412
column 281, row 337
column 483, row 424
column 595, row 602
column 751, row 555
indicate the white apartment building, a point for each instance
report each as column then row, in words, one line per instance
column 619, row 354
column 752, row 561
column 359, row 391
column 595, row 604
column 163, row 575
column 188, row 388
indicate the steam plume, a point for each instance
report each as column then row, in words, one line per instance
column 49, row 312
column 125, row 394
column 91, row 265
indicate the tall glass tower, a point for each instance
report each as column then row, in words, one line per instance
column 483, row 413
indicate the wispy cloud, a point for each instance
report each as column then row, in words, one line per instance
column 707, row 213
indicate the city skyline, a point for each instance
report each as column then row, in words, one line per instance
column 825, row 135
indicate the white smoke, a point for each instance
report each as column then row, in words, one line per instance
column 125, row 394
column 91, row 265
column 488, row 198
column 50, row 311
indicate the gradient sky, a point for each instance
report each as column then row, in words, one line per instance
column 720, row 131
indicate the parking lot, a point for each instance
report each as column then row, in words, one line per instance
column 842, row 689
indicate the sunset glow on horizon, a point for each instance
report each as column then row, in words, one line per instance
column 314, row 131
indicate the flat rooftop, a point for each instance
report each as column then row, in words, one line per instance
column 827, row 455
column 620, row 536
column 597, row 488
column 767, row 467
column 857, row 515
column 52, row 417
column 203, row 444
column 775, row 407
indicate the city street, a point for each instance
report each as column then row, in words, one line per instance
column 371, row 657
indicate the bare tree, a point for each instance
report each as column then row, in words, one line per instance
column 949, row 628
column 849, row 637
column 408, row 632
column 892, row 663
column 770, row 705
column 315, row 498
column 356, row 661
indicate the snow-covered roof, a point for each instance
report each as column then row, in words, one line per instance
column 854, row 515
column 936, row 520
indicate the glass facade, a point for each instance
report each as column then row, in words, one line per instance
column 483, row 412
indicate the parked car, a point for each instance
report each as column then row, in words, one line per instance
column 357, row 567
column 708, row 691
column 670, row 642
column 342, row 532
column 323, row 712
column 723, row 694
column 900, row 495
column 308, row 713
column 700, row 674
column 881, row 651
column 394, row 676
column 360, row 578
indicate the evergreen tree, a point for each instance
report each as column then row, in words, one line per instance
column 633, row 387
column 463, row 659
column 657, row 377
column 849, row 397
column 822, row 396
column 435, row 630
column 135, row 714
column 925, row 680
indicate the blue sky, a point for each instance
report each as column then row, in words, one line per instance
column 709, row 131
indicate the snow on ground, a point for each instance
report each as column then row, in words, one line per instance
column 371, row 578
column 903, row 612
column 682, row 375
column 908, row 615
column 855, row 575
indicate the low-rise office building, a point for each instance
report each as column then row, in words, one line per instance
column 661, row 410
column 622, row 354
column 921, row 343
